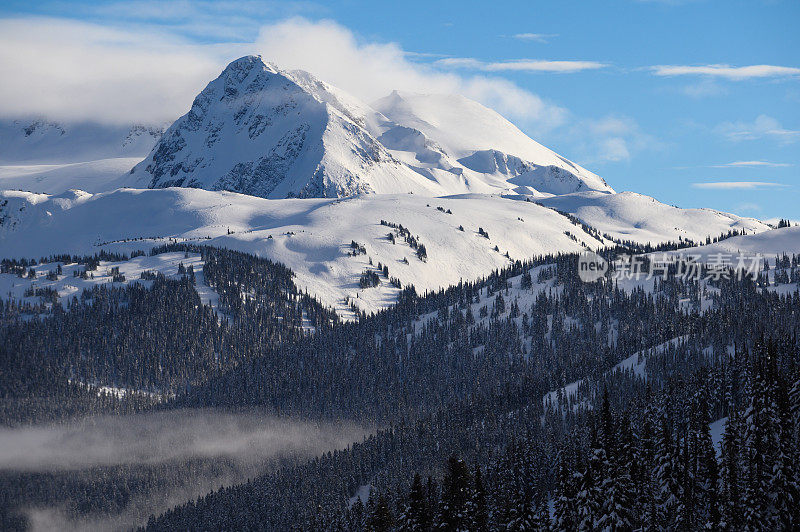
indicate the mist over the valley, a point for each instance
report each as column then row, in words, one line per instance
column 224, row 447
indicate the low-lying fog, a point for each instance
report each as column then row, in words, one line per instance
column 249, row 442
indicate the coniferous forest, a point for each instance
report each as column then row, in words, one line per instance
column 526, row 400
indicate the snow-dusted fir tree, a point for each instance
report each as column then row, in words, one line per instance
column 668, row 495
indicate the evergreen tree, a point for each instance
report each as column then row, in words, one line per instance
column 416, row 516
column 617, row 489
column 380, row 517
column 356, row 515
column 703, row 462
column 755, row 453
column 453, row 508
column 668, row 489
column 565, row 514
column 730, row 475
column 589, row 495
column 479, row 511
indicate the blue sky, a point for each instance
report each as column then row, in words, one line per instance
column 694, row 102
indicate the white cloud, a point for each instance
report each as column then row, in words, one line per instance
column 69, row 70
column 371, row 70
column 535, row 37
column 737, row 185
column 746, row 164
column 726, row 71
column 762, row 127
column 520, row 65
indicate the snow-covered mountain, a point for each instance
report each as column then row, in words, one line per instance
column 312, row 236
column 453, row 133
column 266, row 132
column 45, row 156
column 285, row 166
column 41, row 141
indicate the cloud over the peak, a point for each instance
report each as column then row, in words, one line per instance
column 370, row 70
column 70, row 70
column 74, row 71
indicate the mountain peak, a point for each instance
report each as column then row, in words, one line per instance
column 247, row 64
column 266, row 132
column 263, row 131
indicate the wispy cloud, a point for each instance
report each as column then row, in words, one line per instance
column 738, row 185
column 747, row 164
column 726, row 71
column 241, row 445
column 370, row 70
column 203, row 433
column 762, row 127
column 535, row 37
column 208, row 20
column 520, row 65
column 68, row 70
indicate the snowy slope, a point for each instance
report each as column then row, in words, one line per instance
column 310, row 236
column 92, row 176
column 482, row 141
column 313, row 236
column 769, row 244
column 642, row 219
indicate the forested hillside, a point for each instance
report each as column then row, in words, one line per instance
column 525, row 396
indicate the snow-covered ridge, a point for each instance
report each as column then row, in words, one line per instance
column 43, row 142
column 629, row 216
column 271, row 133
column 768, row 244
column 313, row 237
column 44, row 156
